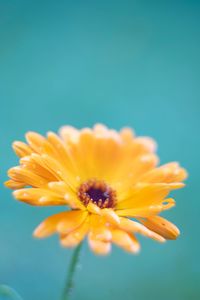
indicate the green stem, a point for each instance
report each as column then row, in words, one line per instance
column 9, row 292
column 70, row 278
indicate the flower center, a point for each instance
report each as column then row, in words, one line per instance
column 97, row 192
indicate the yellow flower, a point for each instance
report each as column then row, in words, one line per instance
column 109, row 180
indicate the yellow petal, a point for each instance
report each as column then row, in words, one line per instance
column 72, row 221
column 149, row 210
column 144, row 194
column 125, row 240
column 148, row 143
column 27, row 177
column 100, row 129
column 34, row 163
column 98, row 229
column 131, row 170
column 161, row 226
column 69, row 134
column 21, row 149
column 60, row 171
column 110, row 216
column 86, row 154
column 93, row 208
column 107, row 151
column 64, row 191
column 127, row 135
column 63, row 153
column 48, row 226
column 39, row 197
column 39, row 144
column 75, row 237
column 59, row 187
column 12, row 184
column 99, row 247
column 167, row 173
column 135, row 227
column 73, row 201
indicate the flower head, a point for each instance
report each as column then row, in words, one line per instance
column 109, row 180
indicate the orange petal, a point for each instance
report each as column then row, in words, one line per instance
column 86, row 153
column 98, row 229
column 161, row 226
column 143, row 195
column 33, row 163
column 60, row 172
column 146, row 211
column 110, row 216
column 64, row 191
column 99, row 247
column 21, row 149
column 125, row 240
column 72, row 221
column 48, row 226
column 69, row 134
column 39, row 197
column 135, row 227
column 12, row 184
column 39, row 144
column 93, row 208
column 76, row 236
column 148, row 143
column 167, row 173
column 63, row 153
column 127, row 135
column 27, row 177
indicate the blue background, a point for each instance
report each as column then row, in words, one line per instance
column 122, row 63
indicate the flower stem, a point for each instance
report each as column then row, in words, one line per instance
column 9, row 292
column 70, row 278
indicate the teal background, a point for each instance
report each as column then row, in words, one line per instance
column 132, row 63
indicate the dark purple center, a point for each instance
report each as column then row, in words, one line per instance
column 97, row 194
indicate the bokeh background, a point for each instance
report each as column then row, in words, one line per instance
column 132, row 63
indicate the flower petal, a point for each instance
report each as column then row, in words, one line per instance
column 149, row 210
column 167, row 173
column 127, row 135
column 110, row 216
column 143, row 195
column 39, row 144
column 125, row 240
column 12, row 184
column 60, row 171
column 62, row 151
column 72, row 221
column 21, row 149
column 135, row 227
column 99, row 247
column 132, row 170
column 69, row 134
column 39, row 197
column 98, row 229
column 161, row 226
column 93, row 208
column 64, row 191
column 28, row 177
column 76, row 236
column 34, row 163
column 48, row 226
column 148, row 143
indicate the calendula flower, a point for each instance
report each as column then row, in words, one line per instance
column 108, row 180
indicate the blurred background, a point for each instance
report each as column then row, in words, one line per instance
column 122, row 63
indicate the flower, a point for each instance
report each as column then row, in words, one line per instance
column 109, row 181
